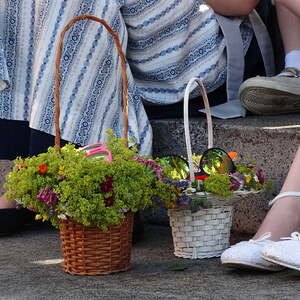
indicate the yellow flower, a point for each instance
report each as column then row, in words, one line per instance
column 61, row 170
column 248, row 178
column 38, row 217
column 171, row 205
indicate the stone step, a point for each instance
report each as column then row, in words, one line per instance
column 271, row 141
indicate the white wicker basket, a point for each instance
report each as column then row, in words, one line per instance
column 203, row 234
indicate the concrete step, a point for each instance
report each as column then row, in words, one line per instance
column 271, row 141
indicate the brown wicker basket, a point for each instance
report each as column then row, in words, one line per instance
column 88, row 250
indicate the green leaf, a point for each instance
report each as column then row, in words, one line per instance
column 178, row 267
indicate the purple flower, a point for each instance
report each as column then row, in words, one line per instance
column 157, row 200
column 48, row 196
column 153, row 164
column 107, row 186
column 235, row 184
column 109, row 201
column 260, row 175
column 237, row 181
column 183, row 201
column 182, row 184
column 61, row 178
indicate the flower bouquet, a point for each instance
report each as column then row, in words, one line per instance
column 218, row 187
column 91, row 191
column 207, row 187
column 90, row 194
column 73, row 189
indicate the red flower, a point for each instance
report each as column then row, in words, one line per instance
column 42, row 169
column 21, row 167
column 109, row 201
column 201, row 177
column 107, row 186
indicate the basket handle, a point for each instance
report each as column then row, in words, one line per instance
column 186, row 121
column 58, row 75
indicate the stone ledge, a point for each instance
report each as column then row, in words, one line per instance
column 271, row 141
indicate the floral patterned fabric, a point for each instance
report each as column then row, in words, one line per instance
column 166, row 42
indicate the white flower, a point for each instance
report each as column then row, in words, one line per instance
column 256, row 178
column 189, row 191
column 62, row 217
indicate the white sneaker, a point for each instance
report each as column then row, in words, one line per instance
column 248, row 255
column 272, row 95
column 284, row 253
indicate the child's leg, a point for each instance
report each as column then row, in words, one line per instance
column 289, row 25
column 292, row 5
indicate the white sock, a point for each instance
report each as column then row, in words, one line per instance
column 292, row 60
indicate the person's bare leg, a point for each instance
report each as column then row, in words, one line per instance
column 284, row 216
column 5, row 167
column 289, row 25
column 292, row 5
column 5, row 204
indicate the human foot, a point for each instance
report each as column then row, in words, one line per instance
column 285, row 206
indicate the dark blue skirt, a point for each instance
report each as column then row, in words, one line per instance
column 17, row 139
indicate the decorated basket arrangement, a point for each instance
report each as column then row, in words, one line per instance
column 207, row 186
column 91, row 193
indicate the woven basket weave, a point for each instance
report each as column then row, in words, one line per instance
column 216, row 200
column 88, row 250
column 203, row 234
column 206, row 233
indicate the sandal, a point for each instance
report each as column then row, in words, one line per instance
column 282, row 195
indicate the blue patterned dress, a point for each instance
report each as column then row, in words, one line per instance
column 166, row 42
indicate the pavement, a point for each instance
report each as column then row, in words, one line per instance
column 30, row 269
